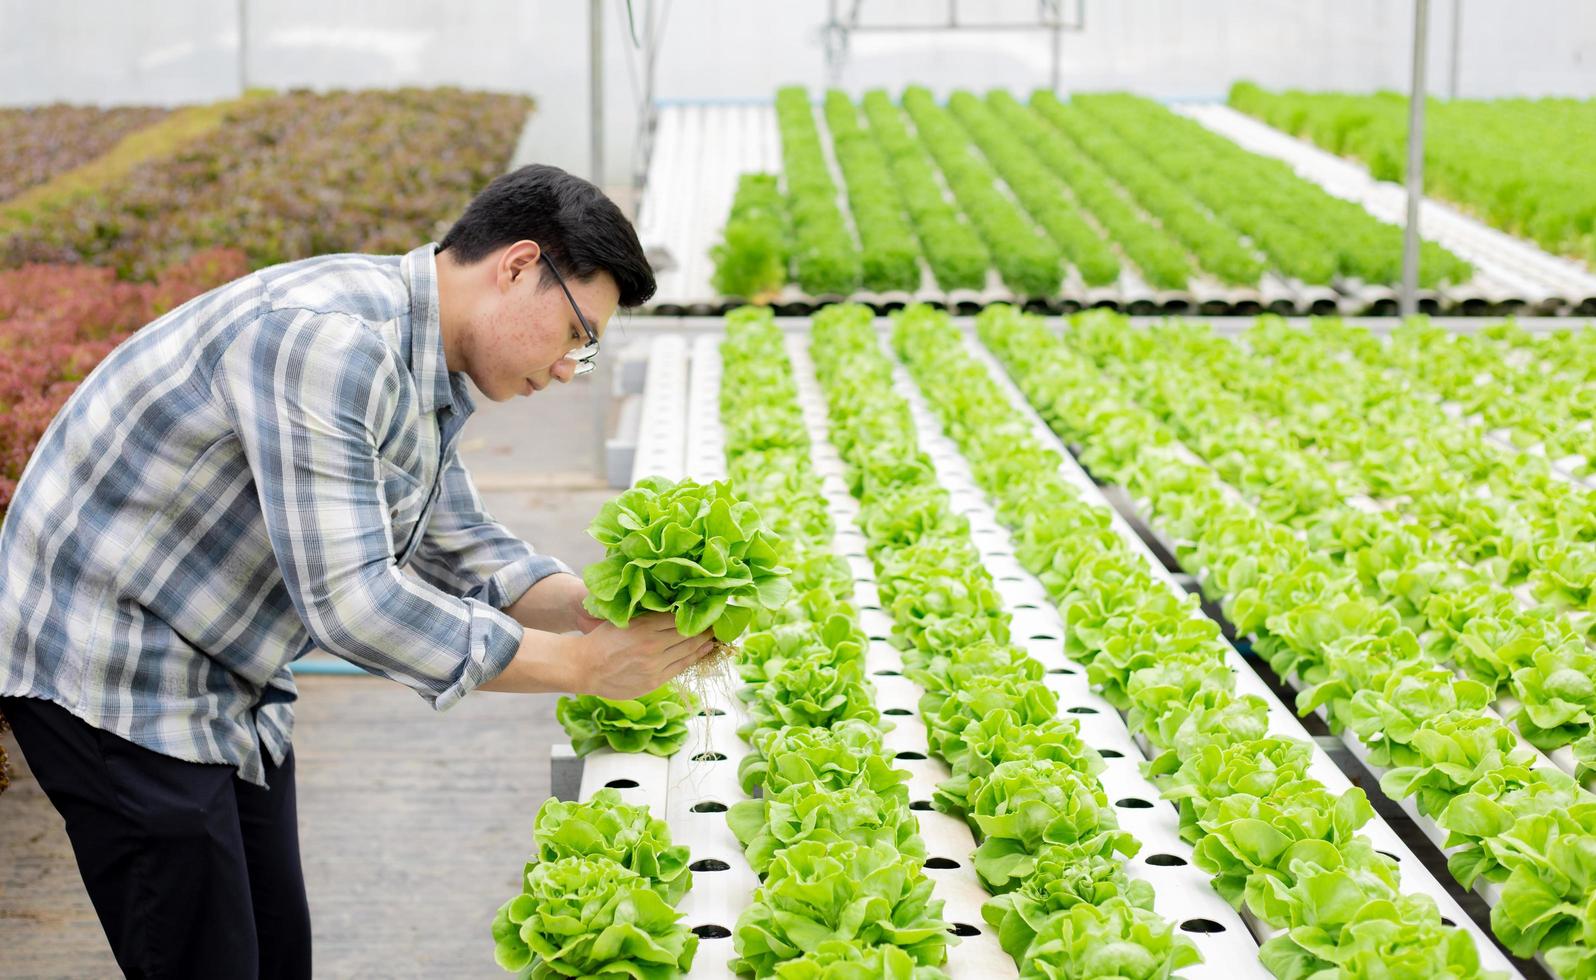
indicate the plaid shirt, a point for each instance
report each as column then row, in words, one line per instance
column 241, row 481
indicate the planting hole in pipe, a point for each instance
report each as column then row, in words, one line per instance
column 1165, row 860
column 1061, row 670
column 910, row 756
column 889, row 672
column 710, row 757
column 1082, row 710
column 622, row 784
column 1043, row 636
column 963, row 929
column 1111, row 753
column 711, row 713
column 1390, row 855
column 709, row 806
column 897, row 711
column 1133, row 803
column 920, row 805
column 941, row 863
column 712, row 932
column 1201, row 925
column 709, row 864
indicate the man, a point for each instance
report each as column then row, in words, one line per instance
column 243, row 481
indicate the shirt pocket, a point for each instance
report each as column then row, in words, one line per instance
column 406, row 497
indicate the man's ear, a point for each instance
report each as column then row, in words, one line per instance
column 517, row 259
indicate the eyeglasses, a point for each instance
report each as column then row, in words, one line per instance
column 583, row 356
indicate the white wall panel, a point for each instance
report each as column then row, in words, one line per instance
column 111, row 51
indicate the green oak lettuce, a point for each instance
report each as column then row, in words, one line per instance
column 817, row 891
column 607, row 827
column 655, row 723
column 686, row 548
column 590, row 917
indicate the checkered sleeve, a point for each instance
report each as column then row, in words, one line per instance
column 467, row 553
column 312, row 395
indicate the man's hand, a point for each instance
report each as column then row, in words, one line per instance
column 608, row 661
column 554, row 605
column 628, row 663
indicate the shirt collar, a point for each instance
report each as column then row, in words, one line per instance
column 419, row 269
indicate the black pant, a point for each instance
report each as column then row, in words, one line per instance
column 193, row 872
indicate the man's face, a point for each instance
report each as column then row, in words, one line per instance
column 526, row 329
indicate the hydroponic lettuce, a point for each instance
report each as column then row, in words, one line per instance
column 605, row 826
column 807, row 811
column 1023, row 805
column 817, row 891
column 815, row 691
column 1114, row 939
column 836, row 959
column 1354, row 935
column 1281, row 855
column 949, row 712
column 655, row 723
column 1246, row 835
column 1547, row 901
column 591, row 917
column 686, row 548
column 836, row 639
column 1257, row 768
column 848, row 754
column 1089, row 871
column 1483, row 823
column 751, row 258
column 998, row 737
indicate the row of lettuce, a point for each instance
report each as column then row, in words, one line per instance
column 1538, row 388
column 282, row 176
column 1332, row 603
column 1521, row 164
column 1049, row 846
column 1486, row 555
column 832, row 833
column 1368, row 611
column 1049, row 194
column 1278, row 843
column 597, row 895
column 39, row 142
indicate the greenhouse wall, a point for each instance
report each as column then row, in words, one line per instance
column 187, row 50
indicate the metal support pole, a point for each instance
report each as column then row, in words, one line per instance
column 243, row 46
column 1457, row 46
column 833, row 39
column 599, row 386
column 1058, row 55
column 1409, row 303
column 595, row 88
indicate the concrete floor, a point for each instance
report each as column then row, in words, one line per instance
column 413, row 824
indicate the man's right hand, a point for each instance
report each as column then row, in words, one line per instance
column 628, row 663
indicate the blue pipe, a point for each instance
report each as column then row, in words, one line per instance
column 327, row 668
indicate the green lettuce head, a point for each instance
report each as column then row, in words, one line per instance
column 590, row 917
column 655, row 723
column 686, row 548
column 606, row 827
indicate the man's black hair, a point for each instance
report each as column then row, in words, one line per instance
column 575, row 225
